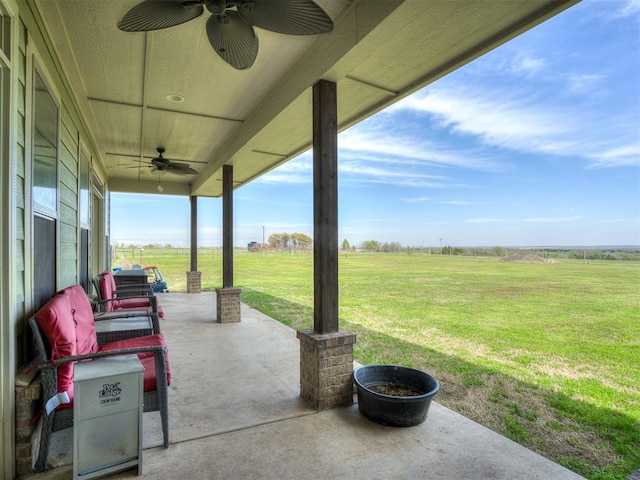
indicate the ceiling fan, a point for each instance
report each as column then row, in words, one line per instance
column 230, row 26
column 161, row 164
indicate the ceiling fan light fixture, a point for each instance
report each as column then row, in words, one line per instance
column 216, row 7
column 174, row 97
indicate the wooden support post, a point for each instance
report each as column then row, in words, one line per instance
column 194, row 278
column 325, row 207
column 326, row 353
column 227, row 226
column 193, row 200
column 227, row 297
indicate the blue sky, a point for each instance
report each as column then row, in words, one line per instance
column 537, row 143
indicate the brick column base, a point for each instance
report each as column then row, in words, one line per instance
column 27, row 405
column 194, row 282
column 326, row 368
column 228, row 303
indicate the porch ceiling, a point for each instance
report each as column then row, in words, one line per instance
column 257, row 119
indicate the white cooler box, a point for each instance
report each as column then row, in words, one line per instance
column 107, row 416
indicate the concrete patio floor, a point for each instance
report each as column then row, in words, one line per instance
column 235, row 413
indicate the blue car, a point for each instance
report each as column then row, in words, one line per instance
column 155, row 279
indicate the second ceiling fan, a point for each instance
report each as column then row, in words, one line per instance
column 230, row 26
column 161, row 164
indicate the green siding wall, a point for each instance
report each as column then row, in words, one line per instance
column 72, row 132
column 20, row 200
column 68, row 214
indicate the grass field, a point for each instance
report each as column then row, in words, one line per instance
column 547, row 354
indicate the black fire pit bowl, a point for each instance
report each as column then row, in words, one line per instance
column 393, row 410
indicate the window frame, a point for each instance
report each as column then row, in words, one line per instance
column 51, row 209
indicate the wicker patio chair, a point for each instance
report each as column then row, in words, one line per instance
column 119, row 321
column 134, row 297
column 137, row 290
column 64, row 333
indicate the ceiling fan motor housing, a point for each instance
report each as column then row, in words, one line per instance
column 230, row 27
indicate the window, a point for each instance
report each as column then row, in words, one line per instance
column 5, row 34
column 44, row 260
column 5, row 56
column 45, row 148
column 44, row 191
column 83, row 207
column 84, row 189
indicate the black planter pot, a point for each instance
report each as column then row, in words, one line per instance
column 397, row 411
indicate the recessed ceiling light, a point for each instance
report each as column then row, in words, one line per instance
column 174, row 97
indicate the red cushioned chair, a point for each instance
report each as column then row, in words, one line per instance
column 64, row 333
column 111, row 299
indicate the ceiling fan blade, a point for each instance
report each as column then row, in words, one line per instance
column 291, row 17
column 158, row 14
column 160, row 162
column 181, row 168
column 233, row 39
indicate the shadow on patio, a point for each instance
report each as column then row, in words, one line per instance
column 235, row 413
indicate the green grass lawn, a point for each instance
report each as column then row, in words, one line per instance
column 547, row 354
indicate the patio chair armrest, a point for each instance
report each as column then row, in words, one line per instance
column 102, row 304
column 100, row 316
column 153, row 301
column 125, row 291
column 48, row 379
column 155, row 319
column 130, row 327
column 155, row 349
column 133, row 286
column 48, row 368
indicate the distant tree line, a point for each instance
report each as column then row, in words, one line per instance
column 630, row 254
column 148, row 246
column 386, row 247
column 289, row 241
column 299, row 241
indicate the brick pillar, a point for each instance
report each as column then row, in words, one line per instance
column 194, row 282
column 27, row 405
column 326, row 368
column 228, row 303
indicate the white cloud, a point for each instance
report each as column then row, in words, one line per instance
column 635, row 221
column 527, row 65
column 276, row 177
column 625, row 155
column 275, row 225
column 585, row 83
column 551, row 219
column 385, row 174
column 515, row 123
column 485, row 220
column 294, row 172
column 417, row 200
column 361, row 173
column 632, row 7
column 625, row 8
column 458, row 202
column 526, row 122
column 396, row 147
